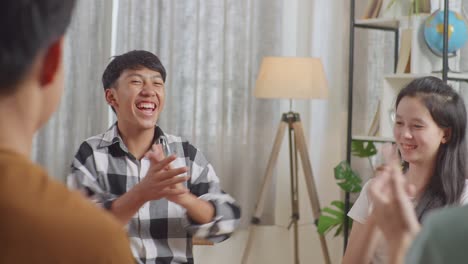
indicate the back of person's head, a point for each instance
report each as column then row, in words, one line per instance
column 133, row 60
column 448, row 111
column 27, row 29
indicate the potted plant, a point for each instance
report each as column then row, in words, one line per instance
column 333, row 216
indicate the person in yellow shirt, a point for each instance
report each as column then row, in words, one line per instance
column 41, row 221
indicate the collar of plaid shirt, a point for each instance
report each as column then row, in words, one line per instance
column 112, row 136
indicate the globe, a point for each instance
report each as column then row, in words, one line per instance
column 434, row 30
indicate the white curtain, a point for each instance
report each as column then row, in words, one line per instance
column 318, row 29
column 328, row 39
column 82, row 111
column 212, row 51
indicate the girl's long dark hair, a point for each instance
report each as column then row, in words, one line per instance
column 447, row 108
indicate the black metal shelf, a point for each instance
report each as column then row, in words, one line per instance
column 386, row 24
column 372, row 138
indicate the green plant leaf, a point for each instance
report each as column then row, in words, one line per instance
column 327, row 223
column 338, row 230
column 346, row 178
column 332, row 217
column 332, row 212
column 338, row 204
column 363, row 149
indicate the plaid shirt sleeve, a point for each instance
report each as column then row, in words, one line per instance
column 85, row 177
column 205, row 184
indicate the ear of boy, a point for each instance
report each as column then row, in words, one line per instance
column 51, row 63
column 110, row 97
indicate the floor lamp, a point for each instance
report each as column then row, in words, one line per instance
column 290, row 78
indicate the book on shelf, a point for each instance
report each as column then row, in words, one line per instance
column 402, row 8
column 377, row 9
column 375, row 125
column 404, row 54
column 424, row 6
column 373, row 9
column 386, row 6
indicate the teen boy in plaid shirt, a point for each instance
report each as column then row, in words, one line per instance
column 162, row 209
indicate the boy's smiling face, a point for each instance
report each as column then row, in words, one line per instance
column 137, row 97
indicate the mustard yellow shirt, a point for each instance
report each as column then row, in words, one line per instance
column 41, row 221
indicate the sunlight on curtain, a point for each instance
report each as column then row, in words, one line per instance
column 212, row 51
column 83, row 110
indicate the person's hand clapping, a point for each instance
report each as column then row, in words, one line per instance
column 161, row 181
column 182, row 197
column 393, row 210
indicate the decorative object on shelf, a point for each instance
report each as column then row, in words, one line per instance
column 374, row 128
column 290, row 78
column 404, row 61
column 434, row 32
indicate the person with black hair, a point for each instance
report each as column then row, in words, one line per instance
column 430, row 133
column 162, row 210
column 41, row 220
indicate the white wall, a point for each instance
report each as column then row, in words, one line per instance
column 325, row 125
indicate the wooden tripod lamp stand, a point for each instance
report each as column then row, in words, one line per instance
column 290, row 78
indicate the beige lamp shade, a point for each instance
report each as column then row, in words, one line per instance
column 291, row 77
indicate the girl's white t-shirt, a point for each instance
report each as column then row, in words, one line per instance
column 360, row 212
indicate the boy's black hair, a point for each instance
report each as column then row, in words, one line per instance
column 26, row 28
column 135, row 59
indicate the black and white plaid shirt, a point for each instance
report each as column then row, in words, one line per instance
column 160, row 232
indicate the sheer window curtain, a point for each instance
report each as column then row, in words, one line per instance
column 212, row 51
column 323, row 32
column 82, row 111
